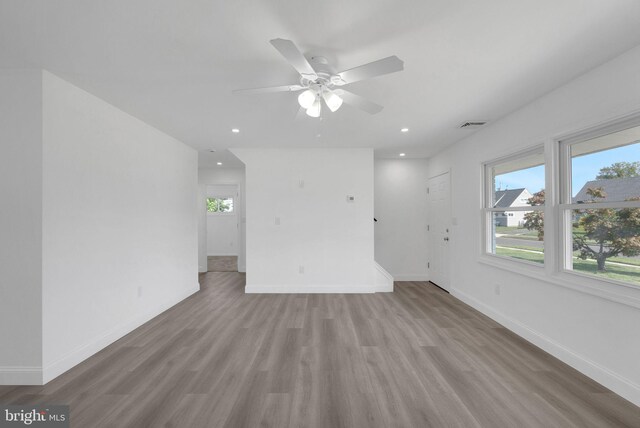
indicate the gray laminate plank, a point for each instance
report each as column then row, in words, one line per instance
column 413, row 358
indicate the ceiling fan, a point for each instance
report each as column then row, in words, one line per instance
column 318, row 82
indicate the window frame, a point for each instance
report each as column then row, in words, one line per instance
column 620, row 292
column 488, row 211
column 218, row 213
column 565, row 205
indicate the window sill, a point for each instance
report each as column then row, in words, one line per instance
column 624, row 294
column 507, row 261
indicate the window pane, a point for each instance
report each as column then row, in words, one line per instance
column 607, row 168
column 212, row 205
column 518, row 182
column 225, row 205
column 519, row 235
column 220, row 205
column 606, row 243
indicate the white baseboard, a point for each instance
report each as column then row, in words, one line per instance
column 308, row 289
column 85, row 351
column 616, row 383
column 222, row 255
column 411, row 277
column 15, row 375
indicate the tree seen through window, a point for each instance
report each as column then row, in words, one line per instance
column 220, row 205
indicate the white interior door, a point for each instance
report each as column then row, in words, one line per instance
column 439, row 211
column 223, row 228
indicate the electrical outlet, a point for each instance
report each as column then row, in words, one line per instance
column 277, row 221
column 139, row 291
column 300, row 269
column 497, row 290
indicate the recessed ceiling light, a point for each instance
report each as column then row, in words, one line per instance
column 402, row 155
column 404, row 130
column 235, row 130
column 219, row 163
column 212, row 150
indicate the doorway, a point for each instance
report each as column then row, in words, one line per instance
column 223, row 226
column 439, row 212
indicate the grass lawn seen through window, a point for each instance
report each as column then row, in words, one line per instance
column 618, row 268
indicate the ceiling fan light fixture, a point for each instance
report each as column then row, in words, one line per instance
column 314, row 110
column 315, row 84
column 307, row 98
column 333, row 101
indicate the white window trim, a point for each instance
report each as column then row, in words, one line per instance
column 627, row 295
column 552, row 272
column 565, row 206
column 487, row 229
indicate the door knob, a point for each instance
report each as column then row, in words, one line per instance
column 446, row 238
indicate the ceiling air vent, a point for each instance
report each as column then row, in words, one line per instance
column 470, row 125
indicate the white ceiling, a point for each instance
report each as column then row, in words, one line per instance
column 174, row 63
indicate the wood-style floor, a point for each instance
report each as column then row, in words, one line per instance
column 222, row 264
column 413, row 358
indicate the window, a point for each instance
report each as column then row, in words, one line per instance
column 600, row 204
column 592, row 209
column 514, row 207
column 220, row 205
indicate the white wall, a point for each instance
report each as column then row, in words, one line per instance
column 305, row 191
column 20, row 227
column 212, row 176
column 222, row 229
column 594, row 334
column 401, row 211
column 120, row 224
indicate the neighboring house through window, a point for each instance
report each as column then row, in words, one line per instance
column 511, row 198
column 593, row 221
column 514, row 216
column 600, row 204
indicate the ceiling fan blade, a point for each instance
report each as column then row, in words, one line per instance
column 295, row 58
column 377, row 68
column 358, row 101
column 253, row 91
